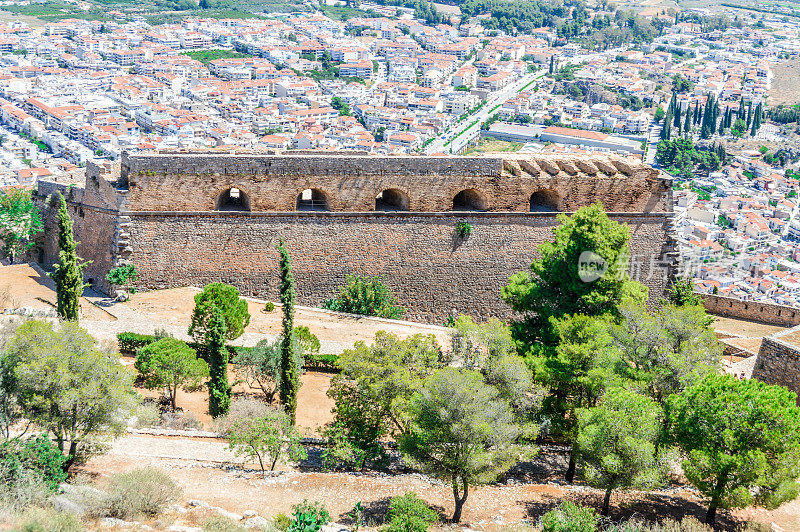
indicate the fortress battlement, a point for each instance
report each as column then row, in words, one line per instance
column 363, row 183
column 190, row 218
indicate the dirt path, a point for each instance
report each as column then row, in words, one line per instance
column 208, row 471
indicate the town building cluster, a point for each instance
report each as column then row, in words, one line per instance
column 78, row 90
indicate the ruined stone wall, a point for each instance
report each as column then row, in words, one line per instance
column 778, row 362
column 432, row 271
column 194, row 182
column 94, row 217
column 769, row 313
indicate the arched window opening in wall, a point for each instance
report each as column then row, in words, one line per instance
column 391, row 200
column 545, row 201
column 469, row 200
column 233, row 199
column 312, row 199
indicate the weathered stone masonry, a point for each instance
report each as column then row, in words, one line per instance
column 778, row 361
column 166, row 223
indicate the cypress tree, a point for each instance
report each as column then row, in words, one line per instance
column 687, row 124
column 68, row 274
column 552, row 63
column 677, row 120
column 219, row 391
column 749, row 113
column 665, row 130
column 290, row 374
column 722, row 124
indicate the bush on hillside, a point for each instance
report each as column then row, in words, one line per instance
column 47, row 520
column 368, row 296
column 569, row 517
column 409, row 513
column 141, row 492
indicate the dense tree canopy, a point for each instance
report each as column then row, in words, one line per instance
column 461, row 431
column 741, row 439
column 65, row 384
column 583, row 271
column 20, row 221
column 226, row 298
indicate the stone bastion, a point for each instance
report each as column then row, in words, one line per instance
column 189, row 218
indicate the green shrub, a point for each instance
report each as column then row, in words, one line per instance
column 28, row 490
column 269, row 306
column 309, row 516
column 220, row 523
column 367, row 296
column 307, row 340
column 140, row 492
column 281, row 522
column 130, row 342
column 464, row 229
column 568, row 517
column 147, row 415
column 47, row 520
column 327, row 363
column 122, row 275
column 409, row 513
column 35, row 456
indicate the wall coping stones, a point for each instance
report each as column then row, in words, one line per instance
column 389, row 214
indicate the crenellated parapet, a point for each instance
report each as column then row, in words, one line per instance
column 193, row 182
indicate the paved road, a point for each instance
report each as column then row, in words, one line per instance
column 468, row 128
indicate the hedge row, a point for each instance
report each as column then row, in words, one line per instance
column 130, row 342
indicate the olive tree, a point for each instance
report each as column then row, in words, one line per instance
column 741, row 439
column 170, row 364
column 461, row 431
column 66, row 385
column 261, row 365
column 267, row 438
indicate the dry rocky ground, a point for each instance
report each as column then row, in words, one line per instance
column 211, row 476
column 785, row 89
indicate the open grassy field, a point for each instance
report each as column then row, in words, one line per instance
column 492, row 145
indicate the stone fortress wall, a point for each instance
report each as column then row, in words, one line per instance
column 189, row 218
column 778, row 360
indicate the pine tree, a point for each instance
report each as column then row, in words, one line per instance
column 219, row 391
column 290, row 373
column 68, row 274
